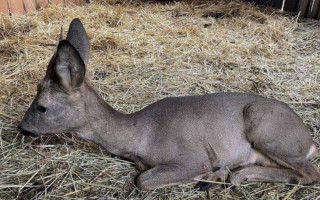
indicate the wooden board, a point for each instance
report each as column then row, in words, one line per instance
column 41, row 3
column 57, row 1
column 303, row 8
column 318, row 17
column 277, row 3
column 29, row 5
column 4, row 7
column 291, row 5
column 73, row 2
column 80, row 2
column 313, row 9
column 22, row 6
column 15, row 6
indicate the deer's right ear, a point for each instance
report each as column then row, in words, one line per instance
column 77, row 36
column 69, row 67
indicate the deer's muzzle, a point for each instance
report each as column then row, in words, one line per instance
column 27, row 133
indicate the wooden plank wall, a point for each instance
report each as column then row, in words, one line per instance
column 304, row 8
column 23, row 6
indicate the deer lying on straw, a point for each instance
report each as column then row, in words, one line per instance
column 224, row 136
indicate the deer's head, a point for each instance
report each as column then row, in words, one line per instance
column 59, row 104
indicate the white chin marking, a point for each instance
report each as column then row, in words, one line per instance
column 311, row 151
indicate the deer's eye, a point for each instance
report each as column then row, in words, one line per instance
column 41, row 109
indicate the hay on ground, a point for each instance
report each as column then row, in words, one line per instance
column 143, row 52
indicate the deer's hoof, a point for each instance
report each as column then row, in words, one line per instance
column 203, row 186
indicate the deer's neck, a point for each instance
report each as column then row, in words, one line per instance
column 113, row 130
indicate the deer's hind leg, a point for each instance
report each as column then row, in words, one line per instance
column 264, row 174
column 308, row 172
column 277, row 132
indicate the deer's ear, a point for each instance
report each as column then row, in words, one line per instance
column 77, row 36
column 69, row 67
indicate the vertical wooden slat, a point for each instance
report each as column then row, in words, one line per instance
column 277, row 3
column 4, row 7
column 22, row 6
column 291, row 5
column 76, row 2
column 302, row 8
column 16, row 6
column 29, row 5
column 264, row 2
column 318, row 17
column 80, row 2
column 249, row 0
column 313, row 8
column 72, row 2
column 57, row 1
column 41, row 3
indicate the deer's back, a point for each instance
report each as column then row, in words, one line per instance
column 193, row 125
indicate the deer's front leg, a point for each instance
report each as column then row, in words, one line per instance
column 164, row 175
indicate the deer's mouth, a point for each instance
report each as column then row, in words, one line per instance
column 27, row 133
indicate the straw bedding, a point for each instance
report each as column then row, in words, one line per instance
column 143, row 52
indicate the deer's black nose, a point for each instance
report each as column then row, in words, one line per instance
column 26, row 133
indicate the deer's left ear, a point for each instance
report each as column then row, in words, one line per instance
column 69, row 67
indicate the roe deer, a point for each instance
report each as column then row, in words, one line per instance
column 240, row 136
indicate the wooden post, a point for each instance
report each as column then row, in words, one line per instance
column 264, row 2
column 41, row 3
column 303, row 8
column 29, row 5
column 277, row 3
column 57, row 1
column 313, row 9
column 15, row 6
column 4, row 7
column 291, row 5
column 318, row 17
column 22, row 6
